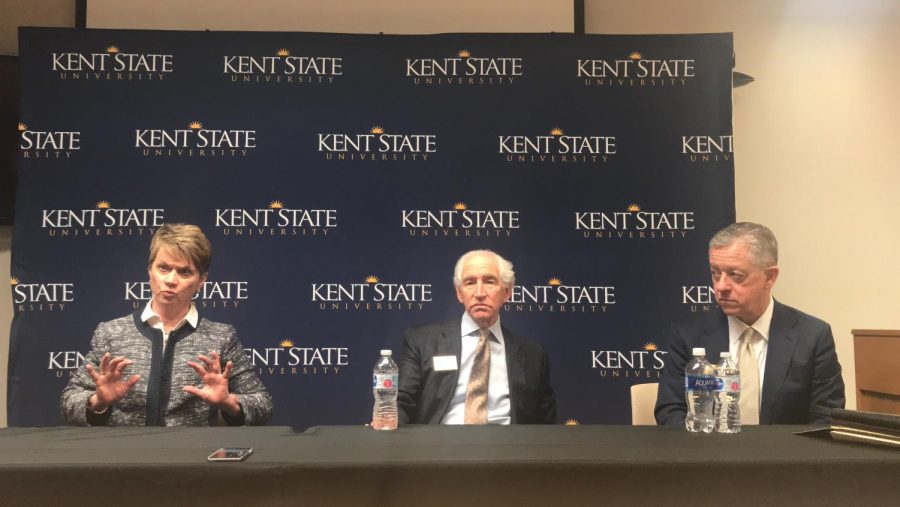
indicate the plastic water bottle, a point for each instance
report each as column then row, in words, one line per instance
column 728, row 396
column 699, row 384
column 384, row 388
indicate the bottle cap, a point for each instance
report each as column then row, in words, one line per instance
column 385, row 352
column 725, row 354
column 699, row 351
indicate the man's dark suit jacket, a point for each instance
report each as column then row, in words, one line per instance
column 424, row 394
column 802, row 378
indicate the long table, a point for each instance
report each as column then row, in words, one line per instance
column 442, row 465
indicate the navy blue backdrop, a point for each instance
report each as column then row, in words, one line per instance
column 340, row 176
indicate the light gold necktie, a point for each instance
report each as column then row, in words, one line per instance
column 749, row 378
column 477, row 390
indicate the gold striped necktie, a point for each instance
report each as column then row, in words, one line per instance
column 477, row 390
column 749, row 378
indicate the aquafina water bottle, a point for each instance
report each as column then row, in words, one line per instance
column 384, row 388
column 728, row 396
column 699, row 384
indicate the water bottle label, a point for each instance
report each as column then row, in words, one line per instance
column 699, row 383
column 728, row 384
column 384, row 381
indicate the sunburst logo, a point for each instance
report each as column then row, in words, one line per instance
column 195, row 125
column 377, row 130
column 283, row 52
column 112, row 50
column 14, row 281
column 464, row 53
column 650, row 347
column 571, row 422
column 276, row 205
column 286, row 344
column 554, row 281
column 556, row 131
column 371, row 279
column 103, row 205
column 635, row 55
column 22, row 127
column 634, row 208
column 460, row 206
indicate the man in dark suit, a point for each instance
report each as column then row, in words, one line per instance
column 789, row 370
column 473, row 370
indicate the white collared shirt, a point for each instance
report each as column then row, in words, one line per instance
column 155, row 321
column 760, row 347
column 498, row 408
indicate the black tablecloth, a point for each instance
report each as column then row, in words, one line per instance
column 442, row 465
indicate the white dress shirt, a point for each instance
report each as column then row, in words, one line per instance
column 759, row 347
column 498, row 407
column 155, row 321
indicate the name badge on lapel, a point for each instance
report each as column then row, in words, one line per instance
column 445, row 363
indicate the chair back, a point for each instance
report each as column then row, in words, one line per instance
column 643, row 401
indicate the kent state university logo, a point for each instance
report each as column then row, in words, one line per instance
column 290, row 358
column 103, row 220
column 287, row 358
column 212, row 294
column 47, row 144
column 707, row 148
column 646, row 363
column 276, row 220
column 557, row 148
column 635, row 71
column 698, row 298
column 112, row 64
column 283, row 68
column 634, row 223
column 376, row 145
column 459, row 221
column 554, row 296
column 64, row 363
column 371, row 295
column 41, row 297
column 195, row 141
column 465, row 69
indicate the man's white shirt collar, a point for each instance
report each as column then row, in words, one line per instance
column 763, row 323
column 469, row 326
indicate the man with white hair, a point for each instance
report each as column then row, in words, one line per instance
column 789, row 370
column 473, row 370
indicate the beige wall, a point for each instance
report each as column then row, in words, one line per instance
column 815, row 153
column 346, row 16
column 16, row 13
